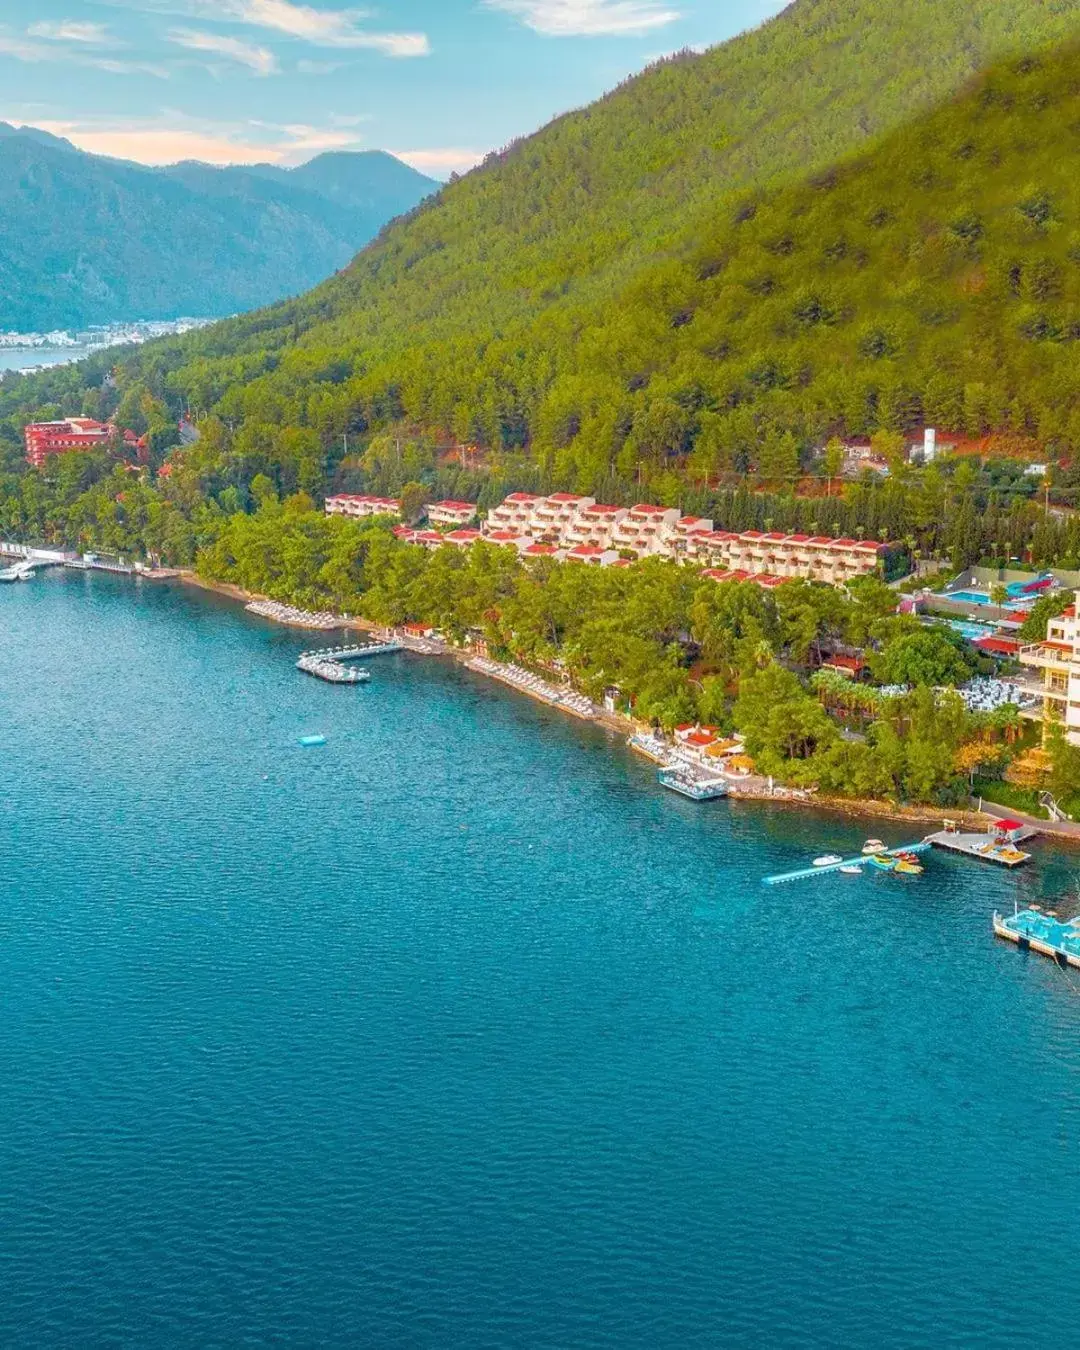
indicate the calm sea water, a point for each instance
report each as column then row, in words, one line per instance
column 26, row 358
column 462, row 1032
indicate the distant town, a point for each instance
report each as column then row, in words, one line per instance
column 100, row 336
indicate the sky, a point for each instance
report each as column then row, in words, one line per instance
column 437, row 82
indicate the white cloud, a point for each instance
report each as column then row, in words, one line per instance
column 440, row 163
column 259, row 59
column 323, row 27
column 114, row 67
column 175, row 137
column 33, row 53
column 72, row 30
column 22, row 50
column 589, row 18
column 305, row 23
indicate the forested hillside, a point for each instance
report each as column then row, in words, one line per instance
column 606, row 290
column 85, row 239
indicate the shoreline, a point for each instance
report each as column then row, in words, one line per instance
column 619, row 723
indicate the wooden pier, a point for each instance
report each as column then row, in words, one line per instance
column 860, row 860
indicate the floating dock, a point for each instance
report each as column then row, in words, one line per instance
column 688, row 785
column 333, row 672
column 860, row 860
column 1035, row 930
column 985, row 847
column 328, row 663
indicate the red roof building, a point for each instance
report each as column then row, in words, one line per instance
column 71, row 436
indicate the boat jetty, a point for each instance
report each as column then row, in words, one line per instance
column 1041, row 931
column 824, row 868
column 328, row 663
column 997, row 845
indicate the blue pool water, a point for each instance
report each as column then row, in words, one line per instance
column 1015, row 601
column 971, row 630
column 462, row 1031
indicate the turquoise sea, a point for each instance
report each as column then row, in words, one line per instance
column 460, row 1031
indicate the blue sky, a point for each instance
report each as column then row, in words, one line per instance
column 439, row 82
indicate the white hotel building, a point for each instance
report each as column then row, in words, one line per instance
column 581, row 528
column 1058, row 657
column 359, row 507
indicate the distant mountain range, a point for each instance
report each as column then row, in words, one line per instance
column 87, row 239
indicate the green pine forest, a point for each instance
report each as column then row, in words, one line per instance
column 854, row 221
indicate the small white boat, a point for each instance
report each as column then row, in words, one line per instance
column 828, row 860
column 851, row 871
column 873, row 846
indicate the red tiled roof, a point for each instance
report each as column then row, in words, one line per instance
column 649, row 509
column 454, row 506
column 700, row 738
column 536, row 550
column 565, row 498
column 997, row 646
column 603, row 509
column 522, row 498
column 852, row 663
column 753, row 535
column 798, row 538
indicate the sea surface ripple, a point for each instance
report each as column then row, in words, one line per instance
column 460, row 1031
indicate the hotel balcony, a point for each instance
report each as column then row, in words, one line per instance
column 1048, row 656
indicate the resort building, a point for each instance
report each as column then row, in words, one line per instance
column 571, row 523
column 592, row 553
column 515, row 513
column 593, row 526
column 645, row 529
column 451, row 513
column 71, row 436
column 460, row 538
column 361, row 506
column 1058, row 659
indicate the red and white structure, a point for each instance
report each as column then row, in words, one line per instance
column 359, row 507
column 451, row 513
column 570, row 523
column 72, row 435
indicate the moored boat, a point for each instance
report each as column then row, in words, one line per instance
column 828, row 860
column 873, row 846
column 852, row 870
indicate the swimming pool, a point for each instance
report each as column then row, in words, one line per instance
column 982, row 598
column 971, row 630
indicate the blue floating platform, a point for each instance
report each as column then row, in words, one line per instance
column 1036, row 931
column 860, row 860
column 308, row 741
